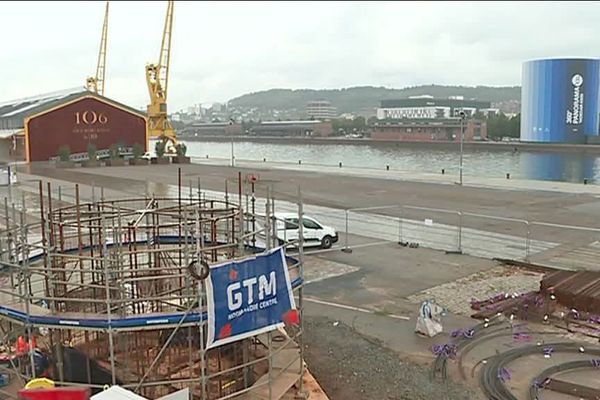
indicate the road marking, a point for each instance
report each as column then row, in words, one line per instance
column 352, row 308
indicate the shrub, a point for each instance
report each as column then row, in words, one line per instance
column 138, row 151
column 160, row 148
column 181, row 149
column 92, row 152
column 64, row 153
column 114, row 152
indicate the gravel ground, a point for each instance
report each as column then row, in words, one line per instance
column 456, row 296
column 350, row 366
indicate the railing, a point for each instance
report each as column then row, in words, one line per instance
column 456, row 231
column 487, row 236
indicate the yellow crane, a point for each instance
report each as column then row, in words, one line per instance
column 96, row 83
column 157, row 78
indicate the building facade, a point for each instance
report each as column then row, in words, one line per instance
column 73, row 119
column 430, row 130
column 559, row 100
column 311, row 128
column 212, row 129
column 427, row 107
column 320, row 109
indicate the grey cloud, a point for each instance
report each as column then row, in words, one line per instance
column 222, row 50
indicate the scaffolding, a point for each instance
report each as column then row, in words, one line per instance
column 113, row 292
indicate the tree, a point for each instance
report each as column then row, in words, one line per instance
column 515, row 126
column 138, row 151
column 359, row 123
column 498, row 126
column 114, row 151
column 181, row 149
column 160, row 148
column 64, row 153
column 92, row 152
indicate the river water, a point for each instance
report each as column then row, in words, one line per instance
column 568, row 166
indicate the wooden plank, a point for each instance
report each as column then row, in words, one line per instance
column 279, row 386
column 573, row 389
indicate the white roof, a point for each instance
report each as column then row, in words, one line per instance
column 28, row 103
column 117, row 393
column 309, row 122
column 6, row 133
column 51, row 95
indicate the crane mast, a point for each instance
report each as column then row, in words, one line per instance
column 157, row 79
column 96, row 83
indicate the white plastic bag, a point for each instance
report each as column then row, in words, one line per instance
column 429, row 322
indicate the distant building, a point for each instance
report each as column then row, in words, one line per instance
column 320, row 109
column 309, row 128
column 426, row 107
column 488, row 112
column 212, row 129
column 429, row 130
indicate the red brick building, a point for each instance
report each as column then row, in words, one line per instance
column 425, row 131
column 74, row 120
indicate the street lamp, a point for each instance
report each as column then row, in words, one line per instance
column 232, row 154
column 462, row 138
column 231, row 122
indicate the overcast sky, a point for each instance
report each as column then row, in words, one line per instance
column 221, row 50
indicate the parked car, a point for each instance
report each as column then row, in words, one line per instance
column 314, row 232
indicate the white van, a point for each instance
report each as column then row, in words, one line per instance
column 314, row 233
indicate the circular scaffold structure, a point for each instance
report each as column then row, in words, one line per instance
column 113, row 292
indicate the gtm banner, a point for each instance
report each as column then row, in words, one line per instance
column 249, row 297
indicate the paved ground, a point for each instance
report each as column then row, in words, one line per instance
column 377, row 277
column 389, row 273
column 330, row 194
column 339, row 191
column 349, row 365
column 448, row 178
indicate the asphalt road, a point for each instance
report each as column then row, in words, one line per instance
column 329, row 195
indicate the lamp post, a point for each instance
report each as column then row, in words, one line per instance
column 462, row 138
column 231, row 122
column 232, row 154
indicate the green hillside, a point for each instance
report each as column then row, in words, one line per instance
column 356, row 98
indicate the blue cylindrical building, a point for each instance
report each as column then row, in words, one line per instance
column 559, row 100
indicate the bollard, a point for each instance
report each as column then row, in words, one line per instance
column 585, row 181
column 387, row 167
column 443, row 171
column 507, row 176
column 527, row 241
column 340, row 164
column 299, row 162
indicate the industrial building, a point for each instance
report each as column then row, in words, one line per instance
column 559, row 100
column 429, row 130
column 35, row 128
column 309, row 128
column 321, row 109
column 428, row 107
column 196, row 129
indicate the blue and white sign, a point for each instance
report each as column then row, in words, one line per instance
column 249, row 297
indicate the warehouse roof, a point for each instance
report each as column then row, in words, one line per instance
column 14, row 112
column 433, row 102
